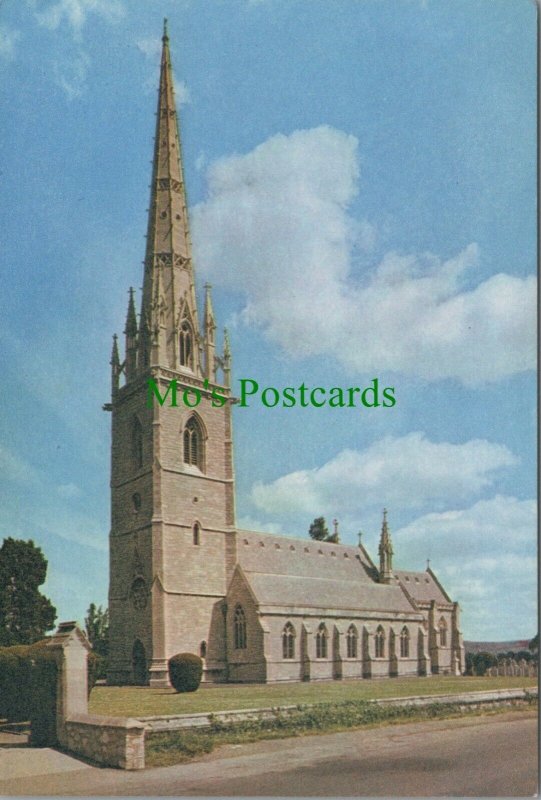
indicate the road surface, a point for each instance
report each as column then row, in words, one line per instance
column 485, row 756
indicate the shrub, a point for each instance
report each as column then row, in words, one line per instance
column 185, row 671
column 17, row 701
column 42, row 698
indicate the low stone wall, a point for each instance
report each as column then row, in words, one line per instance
column 111, row 741
column 204, row 720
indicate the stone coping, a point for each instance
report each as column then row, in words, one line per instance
column 204, row 719
column 106, row 722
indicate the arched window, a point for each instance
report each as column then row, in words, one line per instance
column 203, row 649
column 443, row 633
column 137, row 443
column 240, row 629
column 185, row 345
column 196, row 533
column 404, row 643
column 321, row 641
column 193, row 443
column 288, row 641
column 351, row 642
column 380, row 642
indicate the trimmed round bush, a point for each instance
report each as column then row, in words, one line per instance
column 185, row 671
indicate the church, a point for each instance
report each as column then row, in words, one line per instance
column 256, row 607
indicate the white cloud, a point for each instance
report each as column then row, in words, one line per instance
column 248, row 523
column 68, row 490
column 75, row 12
column 485, row 557
column 150, row 47
column 14, row 468
column 8, row 40
column 71, row 73
column 279, row 216
column 408, row 471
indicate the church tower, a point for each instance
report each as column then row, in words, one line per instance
column 172, row 541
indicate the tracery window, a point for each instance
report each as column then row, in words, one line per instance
column 380, row 642
column 240, row 629
column 443, row 632
column 288, row 641
column 137, row 443
column 351, row 642
column 193, row 443
column 321, row 641
column 185, row 344
column 404, row 643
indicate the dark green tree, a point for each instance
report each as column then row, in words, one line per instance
column 25, row 614
column 318, row 530
column 534, row 644
column 97, row 629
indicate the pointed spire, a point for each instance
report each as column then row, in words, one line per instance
column 131, row 317
column 227, row 359
column 131, row 338
column 385, row 552
column 168, row 286
column 209, row 327
column 115, row 367
column 115, row 359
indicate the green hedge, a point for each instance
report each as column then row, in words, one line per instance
column 42, row 699
column 28, row 678
column 185, row 671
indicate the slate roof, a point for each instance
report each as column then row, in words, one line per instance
column 309, row 574
column 421, row 586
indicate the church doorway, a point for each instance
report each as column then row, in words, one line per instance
column 139, row 664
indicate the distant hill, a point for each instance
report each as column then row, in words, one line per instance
column 496, row 647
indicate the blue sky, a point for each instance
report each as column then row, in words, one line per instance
column 361, row 181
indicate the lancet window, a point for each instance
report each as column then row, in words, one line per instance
column 240, row 628
column 288, row 641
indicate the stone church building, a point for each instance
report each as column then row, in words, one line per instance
column 183, row 577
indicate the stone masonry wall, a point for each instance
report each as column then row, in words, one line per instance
column 110, row 741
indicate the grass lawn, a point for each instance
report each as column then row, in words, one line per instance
column 141, row 701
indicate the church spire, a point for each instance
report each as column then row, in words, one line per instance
column 385, row 552
column 169, row 331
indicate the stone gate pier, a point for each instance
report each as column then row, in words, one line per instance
column 111, row 741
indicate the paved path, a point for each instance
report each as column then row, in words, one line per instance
column 475, row 756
